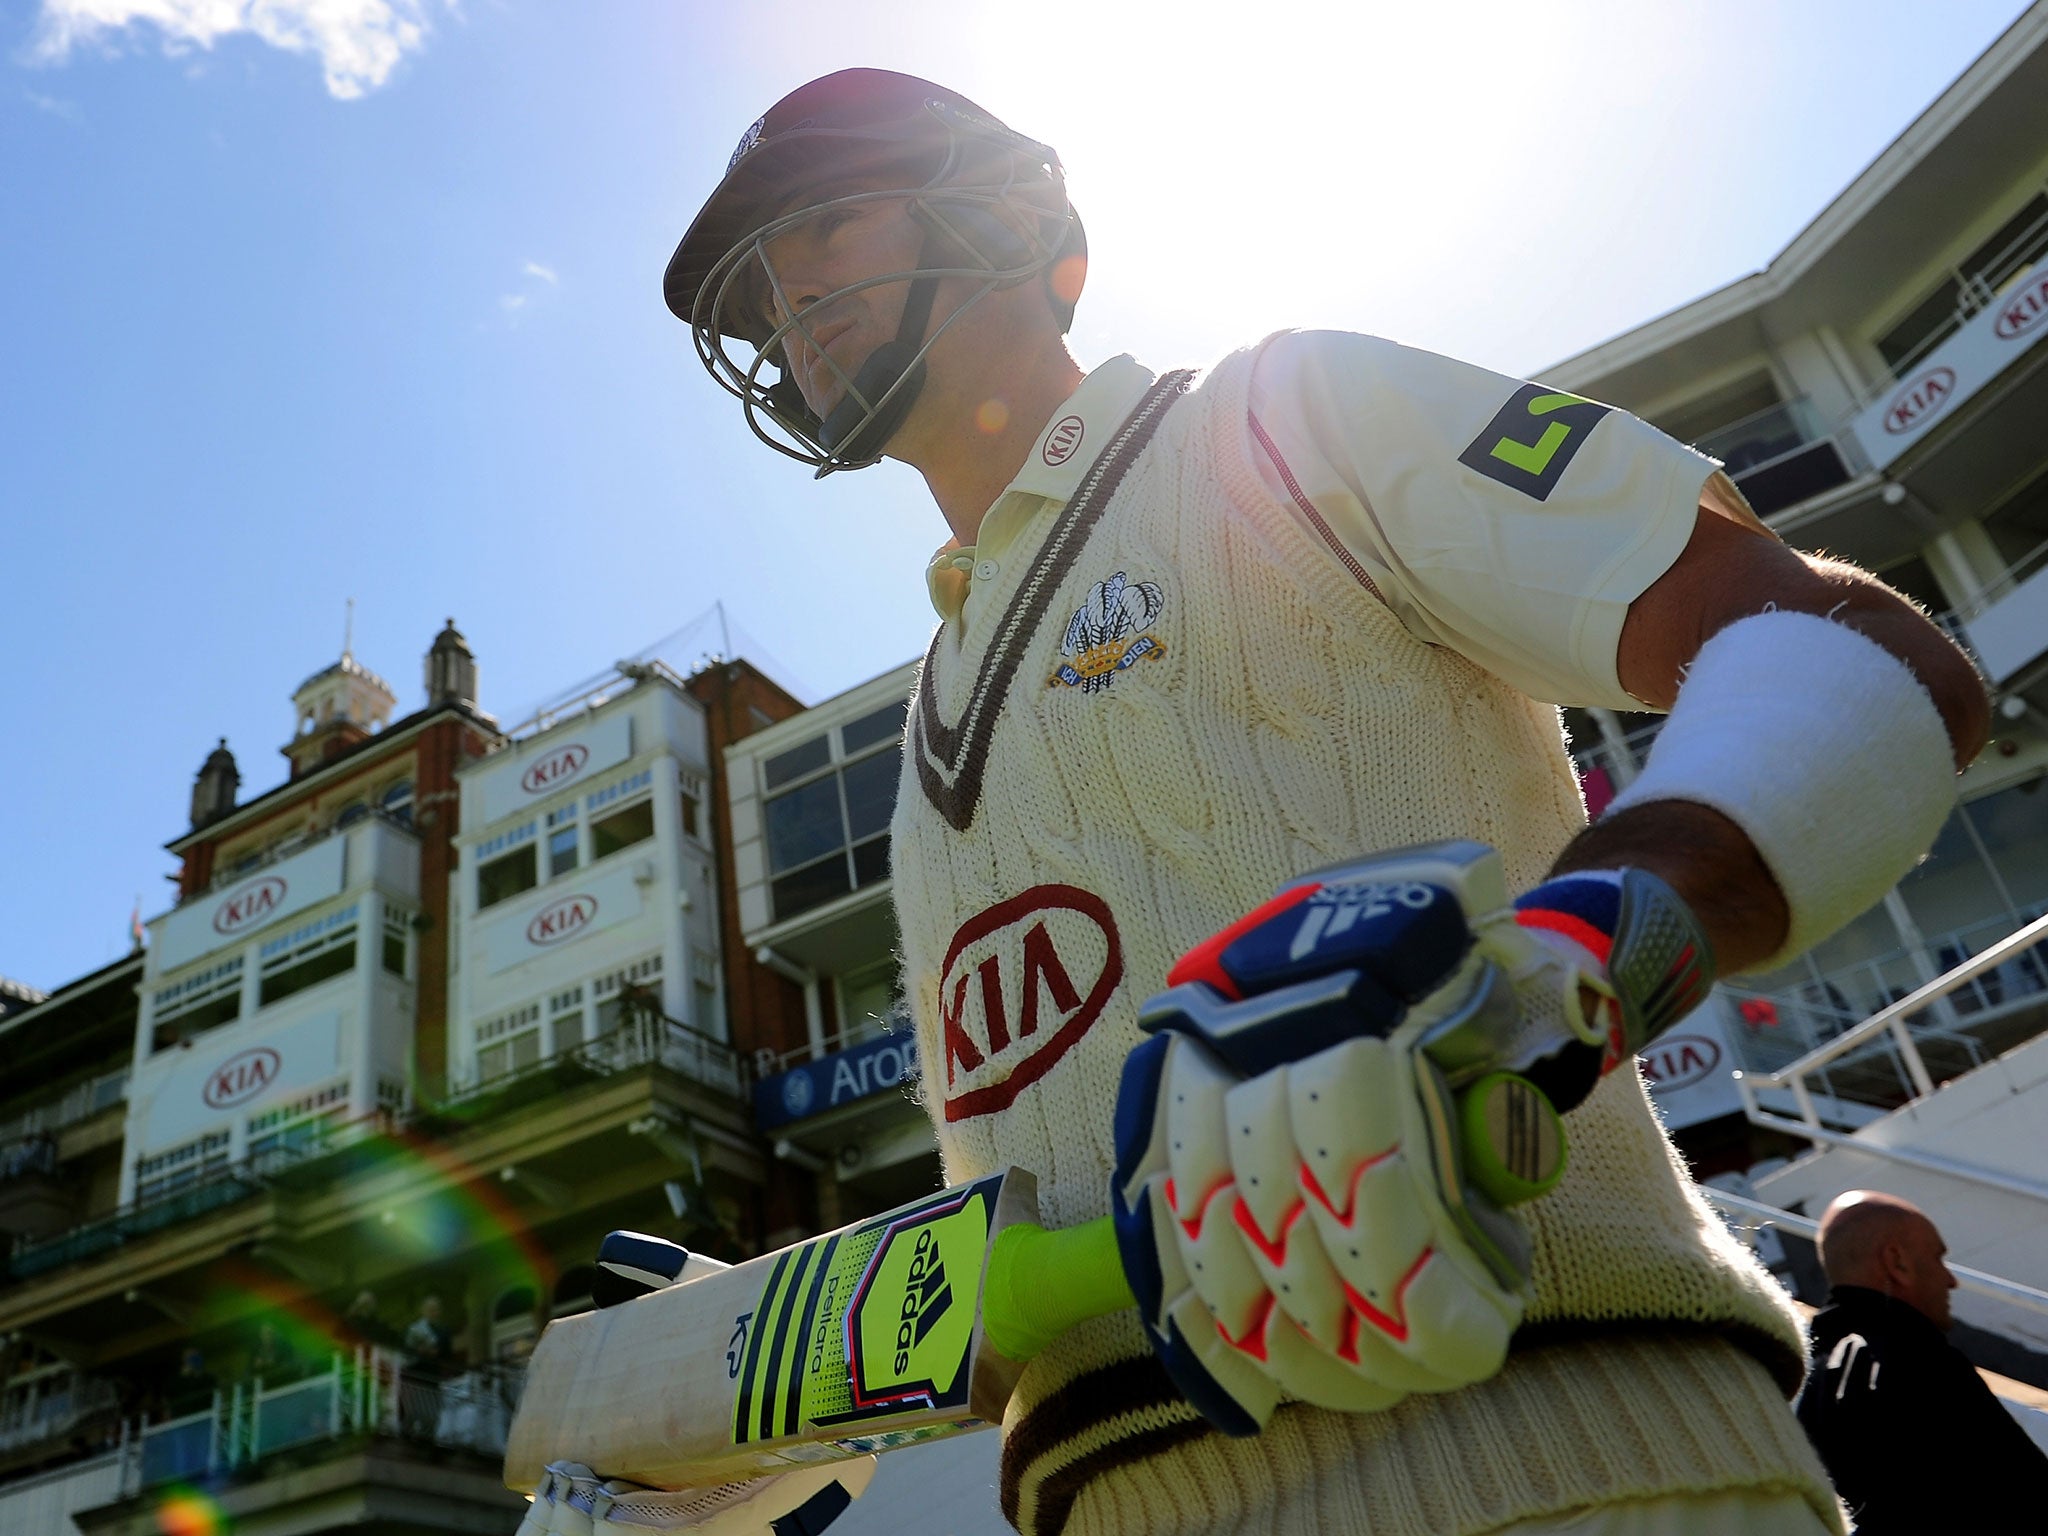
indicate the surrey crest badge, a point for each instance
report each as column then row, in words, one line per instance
column 1110, row 633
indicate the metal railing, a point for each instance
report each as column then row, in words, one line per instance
column 81, row 1102
column 1891, row 1021
column 1976, row 1281
column 640, row 1040
column 370, row 1391
column 46, row 1409
column 225, row 1186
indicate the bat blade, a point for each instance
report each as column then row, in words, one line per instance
column 859, row 1340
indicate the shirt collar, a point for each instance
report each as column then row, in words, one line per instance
column 1079, row 428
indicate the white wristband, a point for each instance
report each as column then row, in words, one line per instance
column 1820, row 745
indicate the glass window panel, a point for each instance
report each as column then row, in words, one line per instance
column 803, row 825
column 1932, row 319
column 2014, row 826
column 561, row 851
column 810, row 887
column 622, row 829
column 871, row 793
column 885, row 724
column 568, row 1031
column 394, row 954
column 505, row 877
column 796, row 762
column 308, row 973
column 1950, row 889
column 871, row 861
column 689, row 815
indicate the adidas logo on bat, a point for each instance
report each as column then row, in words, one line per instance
column 926, row 1297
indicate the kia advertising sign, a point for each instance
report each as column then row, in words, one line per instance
column 241, row 910
column 183, row 1093
column 560, row 916
column 1987, row 344
column 555, row 760
column 1690, row 1071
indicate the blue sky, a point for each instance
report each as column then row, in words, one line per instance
column 360, row 298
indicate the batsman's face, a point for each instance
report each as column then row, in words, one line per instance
column 814, row 269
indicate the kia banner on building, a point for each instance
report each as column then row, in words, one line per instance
column 239, row 911
column 204, row 1088
column 551, row 761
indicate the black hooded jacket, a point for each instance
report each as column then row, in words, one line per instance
column 1913, row 1438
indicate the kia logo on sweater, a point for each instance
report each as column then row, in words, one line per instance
column 241, row 1077
column 1022, row 983
column 561, row 920
column 250, row 905
column 562, row 763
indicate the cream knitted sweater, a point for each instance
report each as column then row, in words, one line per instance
column 1183, row 702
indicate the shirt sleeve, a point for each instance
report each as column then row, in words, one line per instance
column 1510, row 521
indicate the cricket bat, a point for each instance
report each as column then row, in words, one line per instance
column 900, row 1328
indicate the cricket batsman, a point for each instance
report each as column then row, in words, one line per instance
column 1204, row 633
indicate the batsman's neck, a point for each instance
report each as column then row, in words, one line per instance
column 970, row 433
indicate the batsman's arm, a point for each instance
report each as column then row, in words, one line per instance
column 1769, row 841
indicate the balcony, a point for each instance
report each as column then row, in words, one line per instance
column 644, row 1037
column 1980, row 1019
column 349, row 1428
column 75, row 1105
column 1779, row 456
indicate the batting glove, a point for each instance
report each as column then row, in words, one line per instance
column 1317, row 1147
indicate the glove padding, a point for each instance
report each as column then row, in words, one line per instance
column 572, row 1500
column 1289, row 1196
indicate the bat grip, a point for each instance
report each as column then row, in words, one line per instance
column 1042, row 1283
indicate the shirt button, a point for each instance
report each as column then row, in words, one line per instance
column 985, row 570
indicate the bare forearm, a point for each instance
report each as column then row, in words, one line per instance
column 1706, row 859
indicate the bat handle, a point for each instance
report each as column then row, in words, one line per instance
column 1040, row 1283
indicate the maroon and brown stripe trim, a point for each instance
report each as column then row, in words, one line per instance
column 952, row 759
column 1137, row 1389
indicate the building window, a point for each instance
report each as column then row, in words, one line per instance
column 621, row 829
column 281, row 1136
column 508, row 1043
column 200, row 1002
column 351, row 813
column 867, row 1002
column 561, row 851
column 397, row 940
column 396, row 802
column 506, row 876
column 565, row 1020
column 165, row 1173
column 611, row 794
column 635, row 986
column 705, row 1014
column 317, row 952
column 690, row 816
column 828, row 831
column 1974, row 284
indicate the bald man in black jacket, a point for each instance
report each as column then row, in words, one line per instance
column 1915, row 1441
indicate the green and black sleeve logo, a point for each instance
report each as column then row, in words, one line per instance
column 1532, row 438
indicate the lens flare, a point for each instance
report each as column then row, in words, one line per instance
column 185, row 1512
column 992, row 417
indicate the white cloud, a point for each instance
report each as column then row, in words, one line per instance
column 56, row 106
column 358, row 42
column 545, row 274
column 512, row 301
